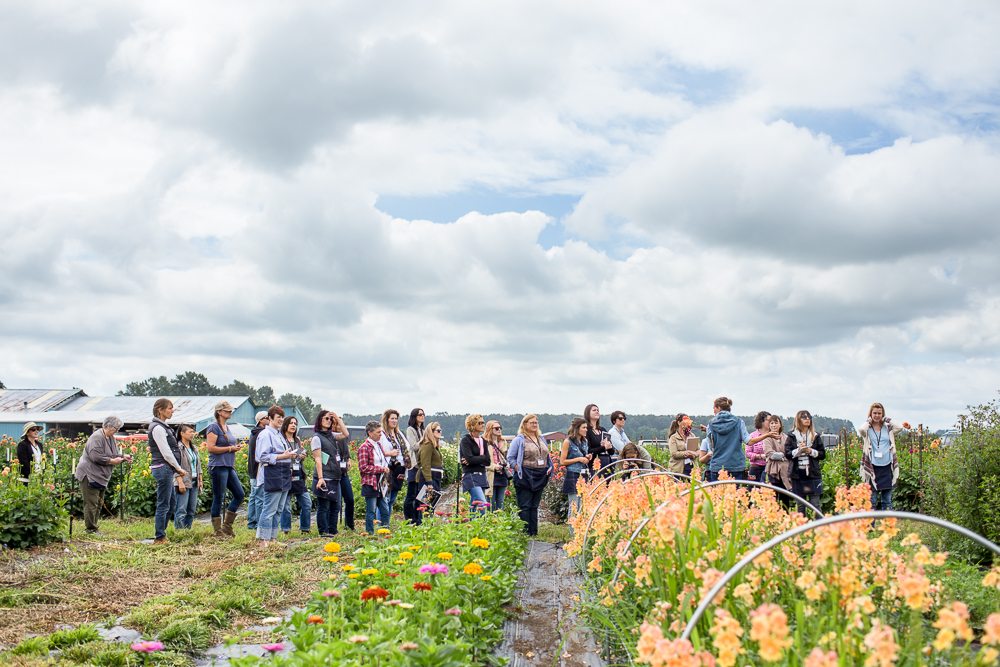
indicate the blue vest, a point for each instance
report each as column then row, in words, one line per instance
column 576, row 450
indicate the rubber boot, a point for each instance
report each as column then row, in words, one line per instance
column 217, row 526
column 227, row 523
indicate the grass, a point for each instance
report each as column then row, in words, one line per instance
column 190, row 593
column 557, row 533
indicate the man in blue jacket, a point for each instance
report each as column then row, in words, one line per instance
column 727, row 436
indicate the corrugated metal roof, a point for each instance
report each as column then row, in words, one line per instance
column 39, row 400
column 130, row 409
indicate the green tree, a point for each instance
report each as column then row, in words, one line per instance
column 305, row 405
column 154, row 386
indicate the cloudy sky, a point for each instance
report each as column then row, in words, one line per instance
column 510, row 206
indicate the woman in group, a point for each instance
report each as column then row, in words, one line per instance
column 397, row 450
column 187, row 488
column 274, row 475
column 681, row 458
column 804, row 450
column 776, row 470
column 755, row 447
column 879, row 464
column 474, row 457
column 528, row 456
column 29, row 450
column 430, row 465
column 497, row 472
column 573, row 456
column 326, row 451
column 222, row 447
column 598, row 440
column 100, row 456
column 414, row 433
column 164, row 464
column 299, row 489
column 374, row 469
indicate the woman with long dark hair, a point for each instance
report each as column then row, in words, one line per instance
column 414, row 433
column 327, row 445
column 299, row 489
column 575, row 458
column 598, row 440
column 804, row 449
column 222, row 447
column 497, row 472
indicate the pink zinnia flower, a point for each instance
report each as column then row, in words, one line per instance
column 147, row 647
column 331, row 594
column 454, row 611
column 434, row 568
column 273, row 648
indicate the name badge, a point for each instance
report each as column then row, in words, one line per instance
column 343, row 464
column 541, row 462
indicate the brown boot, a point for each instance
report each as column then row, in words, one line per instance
column 227, row 523
column 217, row 526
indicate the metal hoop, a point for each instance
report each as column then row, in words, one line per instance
column 593, row 515
column 624, row 471
column 721, row 482
column 819, row 523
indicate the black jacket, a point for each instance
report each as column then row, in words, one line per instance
column 24, row 456
column 252, row 464
column 815, row 467
column 596, row 441
column 468, row 449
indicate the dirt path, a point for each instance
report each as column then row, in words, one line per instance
column 547, row 630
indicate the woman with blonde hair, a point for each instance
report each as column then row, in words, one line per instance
column 222, row 447
column 474, row 457
column 430, row 467
column 528, row 456
column 879, row 464
column 497, row 472
column 804, row 449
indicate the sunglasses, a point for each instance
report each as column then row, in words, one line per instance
column 497, row 428
column 437, row 430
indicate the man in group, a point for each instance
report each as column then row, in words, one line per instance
column 727, row 436
column 254, row 504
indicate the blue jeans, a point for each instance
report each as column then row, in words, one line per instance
column 305, row 509
column 882, row 500
column 496, row 503
column 272, row 504
column 185, row 507
column 164, row 476
column 225, row 477
column 253, row 504
column 476, row 493
column 392, row 501
column 382, row 505
column 347, row 501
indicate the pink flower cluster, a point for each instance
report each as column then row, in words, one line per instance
column 147, row 647
column 434, row 568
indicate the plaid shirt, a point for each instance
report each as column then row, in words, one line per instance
column 366, row 463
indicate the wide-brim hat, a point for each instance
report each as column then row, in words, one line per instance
column 28, row 427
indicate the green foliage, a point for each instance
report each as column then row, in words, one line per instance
column 30, row 514
column 32, row 646
column 187, row 634
column 964, row 485
column 344, row 629
column 63, row 638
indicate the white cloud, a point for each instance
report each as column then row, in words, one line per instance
column 197, row 190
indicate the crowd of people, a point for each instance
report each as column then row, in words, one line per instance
column 392, row 461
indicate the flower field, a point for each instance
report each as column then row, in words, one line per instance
column 851, row 593
column 416, row 595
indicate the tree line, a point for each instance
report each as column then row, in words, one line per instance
column 638, row 427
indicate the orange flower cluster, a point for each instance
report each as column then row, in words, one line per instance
column 374, row 593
